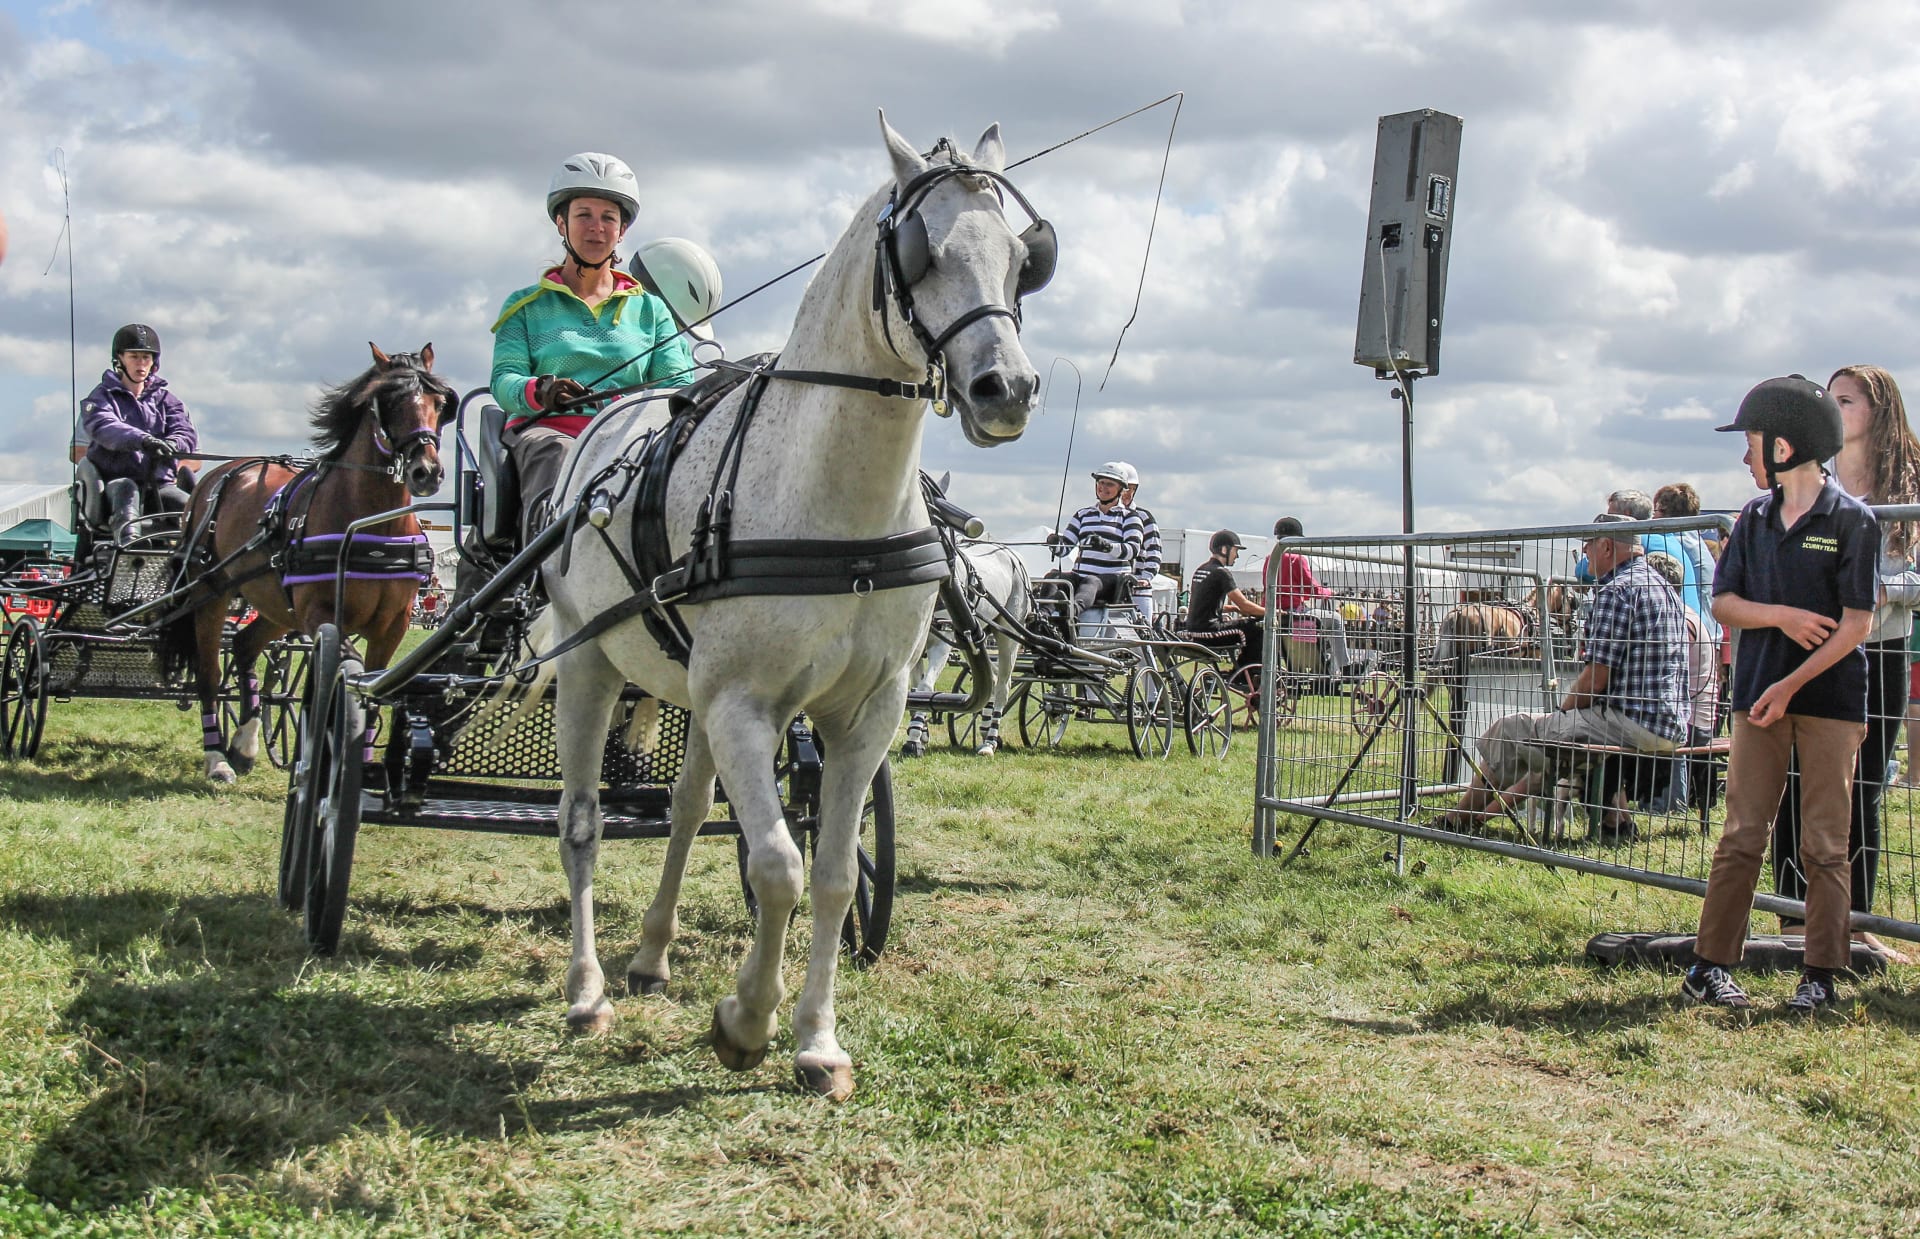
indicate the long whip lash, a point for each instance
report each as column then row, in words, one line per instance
column 59, row 161
column 1180, row 98
column 1066, row 465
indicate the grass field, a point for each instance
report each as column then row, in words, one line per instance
column 1097, row 1014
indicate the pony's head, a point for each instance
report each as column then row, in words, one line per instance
column 949, row 274
column 408, row 403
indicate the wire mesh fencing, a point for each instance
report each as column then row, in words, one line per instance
column 1557, row 695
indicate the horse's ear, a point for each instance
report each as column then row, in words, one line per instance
column 907, row 163
column 380, row 359
column 426, row 356
column 991, row 152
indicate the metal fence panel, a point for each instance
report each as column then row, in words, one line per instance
column 1445, row 634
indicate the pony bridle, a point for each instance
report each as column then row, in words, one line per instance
column 902, row 257
column 400, row 455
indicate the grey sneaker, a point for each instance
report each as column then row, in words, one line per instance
column 1811, row 996
column 1712, row 986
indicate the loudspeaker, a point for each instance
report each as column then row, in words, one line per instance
column 1403, row 282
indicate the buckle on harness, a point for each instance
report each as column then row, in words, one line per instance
column 671, row 585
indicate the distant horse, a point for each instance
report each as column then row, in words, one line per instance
column 378, row 437
column 1472, row 630
column 998, row 582
column 802, row 575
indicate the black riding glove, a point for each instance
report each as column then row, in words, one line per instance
column 554, row 394
column 159, row 448
column 1094, row 542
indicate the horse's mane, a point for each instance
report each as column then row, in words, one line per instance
column 336, row 415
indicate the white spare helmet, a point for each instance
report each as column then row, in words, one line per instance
column 1112, row 471
column 591, row 174
column 685, row 277
column 1129, row 476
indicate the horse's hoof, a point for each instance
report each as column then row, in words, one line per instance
column 592, row 1021
column 986, row 750
column 731, row 1056
column 823, row 1077
column 912, row 749
column 241, row 763
column 640, row 985
column 220, row 772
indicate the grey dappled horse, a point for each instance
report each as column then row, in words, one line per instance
column 1003, row 578
column 819, row 462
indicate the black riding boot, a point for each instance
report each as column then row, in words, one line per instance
column 123, row 507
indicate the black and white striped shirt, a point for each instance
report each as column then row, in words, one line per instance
column 1148, row 562
column 1121, row 529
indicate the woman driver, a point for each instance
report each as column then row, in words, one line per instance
column 585, row 323
column 136, row 430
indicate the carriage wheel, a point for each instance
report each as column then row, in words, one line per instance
column 339, row 738
column 1043, row 723
column 283, row 683
column 1209, row 714
column 1368, row 700
column 864, row 933
column 1244, row 688
column 963, row 730
column 1153, row 703
column 23, row 691
column 296, row 826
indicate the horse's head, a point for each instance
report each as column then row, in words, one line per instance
column 411, row 403
column 950, row 272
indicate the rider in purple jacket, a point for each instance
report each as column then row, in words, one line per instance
column 138, row 429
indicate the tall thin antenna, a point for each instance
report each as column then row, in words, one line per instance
column 59, row 161
column 1067, row 464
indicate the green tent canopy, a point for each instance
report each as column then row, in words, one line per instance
column 37, row 539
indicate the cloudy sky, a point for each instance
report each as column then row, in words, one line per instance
column 1660, row 202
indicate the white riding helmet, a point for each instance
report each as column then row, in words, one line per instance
column 1112, row 471
column 1129, row 476
column 684, row 275
column 591, row 174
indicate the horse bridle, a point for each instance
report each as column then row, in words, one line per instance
column 403, row 453
column 903, row 256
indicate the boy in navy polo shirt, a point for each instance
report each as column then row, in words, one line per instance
column 1798, row 578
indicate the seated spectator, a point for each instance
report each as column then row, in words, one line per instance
column 1213, row 594
column 1680, row 499
column 1297, row 593
column 1629, row 694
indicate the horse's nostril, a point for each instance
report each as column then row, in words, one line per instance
column 989, row 388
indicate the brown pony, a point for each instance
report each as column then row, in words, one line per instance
column 1469, row 630
column 272, row 534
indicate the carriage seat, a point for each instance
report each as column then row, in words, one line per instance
column 498, row 518
column 1228, row 641
column 89, row 491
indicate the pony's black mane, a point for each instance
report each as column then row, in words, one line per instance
column 336, row 415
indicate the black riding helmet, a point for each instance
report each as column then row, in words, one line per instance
column 1222, row 539
column 136, row 338
column 1796, row 409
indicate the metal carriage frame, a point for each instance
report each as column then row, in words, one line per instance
column 84, row 636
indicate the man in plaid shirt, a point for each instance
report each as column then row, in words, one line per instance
column 1631, row 693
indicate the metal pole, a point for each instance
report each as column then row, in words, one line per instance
column 1409, row 647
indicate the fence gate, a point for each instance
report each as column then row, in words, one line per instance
column 1457, row 630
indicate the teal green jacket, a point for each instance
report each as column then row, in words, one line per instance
column 546, row 329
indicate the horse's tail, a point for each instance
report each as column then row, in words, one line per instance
column 176, row 645
column 501, row 711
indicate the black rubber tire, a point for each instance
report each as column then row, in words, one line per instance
column 296, row 824
column 23, row 691
column 339, row 739
column 864, row 934
column 1153, row 708
column 963, row 730
column 1038, row 728
column 1209, row 721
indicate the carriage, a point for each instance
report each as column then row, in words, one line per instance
column 395, row 747
column 89, row 628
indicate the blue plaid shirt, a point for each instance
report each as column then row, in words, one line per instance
column 1637, row 631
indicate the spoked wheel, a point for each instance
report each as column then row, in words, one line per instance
column 23, row 691
column 1368, row 698
column 864, row 933
column 1153, row 703
column 1209, row 714
column 1243, row 686
column 1043, row 717
column 963, row 730
column 283, row 685
column 296, row 825
column 339, row 739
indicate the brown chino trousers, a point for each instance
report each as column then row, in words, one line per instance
column 1756, row 776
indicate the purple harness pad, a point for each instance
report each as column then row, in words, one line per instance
column 370, row 557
